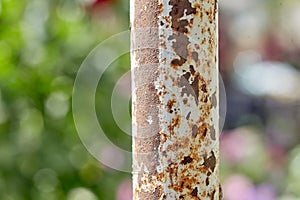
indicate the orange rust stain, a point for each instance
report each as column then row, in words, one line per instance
column 170, row 105
column 186, row 160
column 204, row 88
column 176, row 121
column 178, row 145
column 203, row 129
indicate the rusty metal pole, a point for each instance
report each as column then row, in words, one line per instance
column 175, row 99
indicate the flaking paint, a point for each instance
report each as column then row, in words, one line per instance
column 184, row 158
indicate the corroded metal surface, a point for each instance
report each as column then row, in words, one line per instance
column 175, row 99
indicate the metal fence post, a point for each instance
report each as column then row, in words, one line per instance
column 175, row 99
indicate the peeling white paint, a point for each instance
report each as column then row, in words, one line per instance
column 187, row 88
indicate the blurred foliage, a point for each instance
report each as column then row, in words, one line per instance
column 42, row 44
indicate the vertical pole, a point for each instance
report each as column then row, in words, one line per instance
column 175, row 97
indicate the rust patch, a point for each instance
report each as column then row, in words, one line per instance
column 185, row 100
column 204, row 88
column 180, row 27
column 192, row 70
column 195, row 56
column 215, row 9
column 212, row 195
column 174, row 123
column 188, row 116
column 195, row 192
column 186, row 160
column 210, row 162
column 170, row 105
column 207, row 181
column 203, row 130
column 194, row 131
column 220, row 192
column 178, row 145
column 178, row 9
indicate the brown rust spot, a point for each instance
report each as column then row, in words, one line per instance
column 215, row 9
column 207, row 178
column 204, row 88
column 212, row 195
column 185, row 100
column 202, row 130
column 176, row 121
column 195, row 86
column 194, row 131
column 186, row 160
column 210, row 162
column 195, row 56
column 205, row 99
column 195, row 192
column 178, row 145
column 170, row 105
column 192, row 70
column 220, row 192
column 178, row 62
column 188, row 116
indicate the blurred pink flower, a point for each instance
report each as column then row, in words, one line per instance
column 234, row 146
column 265, row 192
column 237, row 187
column 124, row 191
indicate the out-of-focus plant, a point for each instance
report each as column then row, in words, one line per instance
column 42, row 44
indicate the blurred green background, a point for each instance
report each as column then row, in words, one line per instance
column 42, row 45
